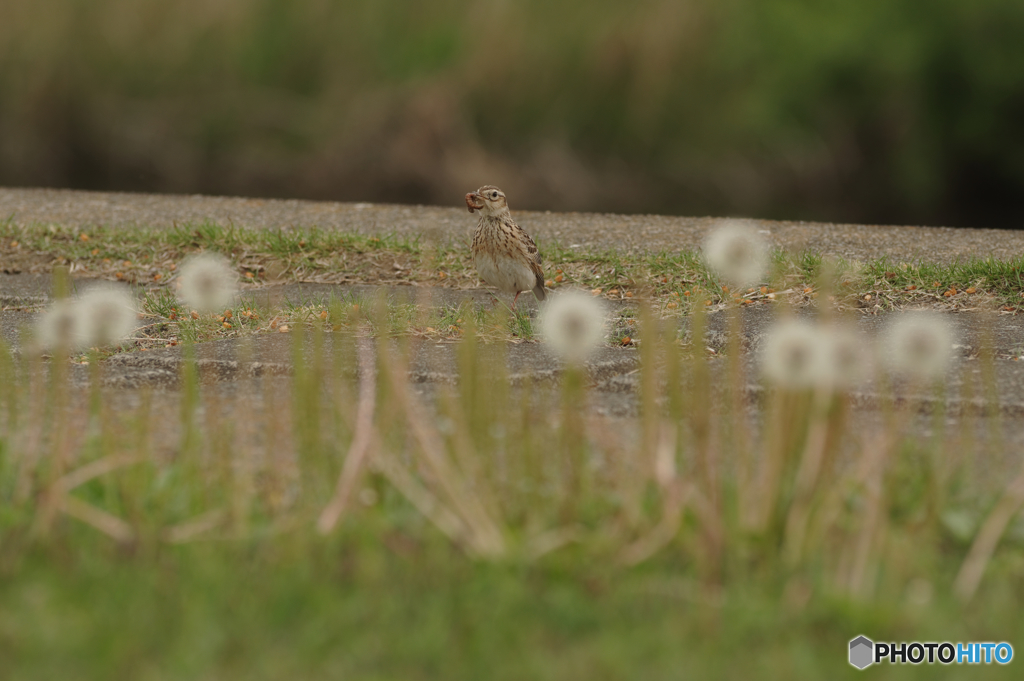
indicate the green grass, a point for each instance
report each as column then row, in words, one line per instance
column 353, row 608
column 1002, row 281
column 671, row 280
column 673, row 283
column 492, row 532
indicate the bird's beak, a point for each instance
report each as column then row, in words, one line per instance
column 473, row 202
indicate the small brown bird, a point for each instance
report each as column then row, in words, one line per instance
column 504, row 254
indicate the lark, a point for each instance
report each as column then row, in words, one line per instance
column 504, row 254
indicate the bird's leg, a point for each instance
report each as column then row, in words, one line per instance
column 514, row 300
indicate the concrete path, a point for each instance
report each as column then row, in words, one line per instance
column 584, row 230
column 613, row 370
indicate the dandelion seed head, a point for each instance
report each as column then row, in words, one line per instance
column 573, row 324
column 207, row 283
column 108, row 315
column 795, row 355
column 847, row 360
column 919, row 345
column 737, row 254
column 60, row 327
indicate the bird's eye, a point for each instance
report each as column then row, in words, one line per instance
column 494, row 195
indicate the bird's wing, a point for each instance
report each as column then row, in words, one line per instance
column 533, row 257
column 528, row 244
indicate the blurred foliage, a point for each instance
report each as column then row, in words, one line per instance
column 880, row 110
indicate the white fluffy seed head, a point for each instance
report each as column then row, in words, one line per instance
column 60, row 327
column 919, row 345
column 847, row 358
column 207, row 283
column 795, row 355
column 573, row 324
column 108, row 315
column 737, row 254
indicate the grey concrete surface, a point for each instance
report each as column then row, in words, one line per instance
column 985, row 416
column 584, row 230
column 613, row 372
column 1003, row 333
column 32, row 291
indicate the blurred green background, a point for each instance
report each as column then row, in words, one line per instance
column 890, row 111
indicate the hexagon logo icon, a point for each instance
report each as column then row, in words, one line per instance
column 861, row 652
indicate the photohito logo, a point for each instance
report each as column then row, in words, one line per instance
column 865, row 652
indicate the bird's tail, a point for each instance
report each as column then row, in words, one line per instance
column 538, row 290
